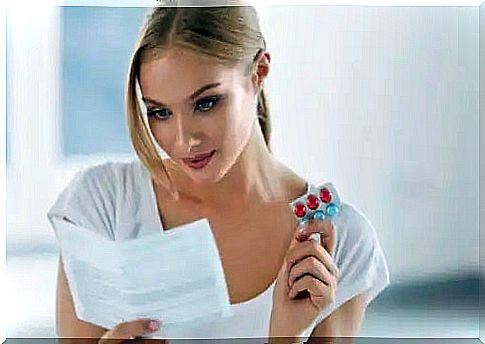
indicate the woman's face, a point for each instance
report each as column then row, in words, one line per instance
column 195, row 106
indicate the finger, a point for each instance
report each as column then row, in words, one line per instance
column 283, row 276
column 324, row 227
column 310, row 248
column 311, row 266
column 326, row 230
column 320, row 294
column 130, row 329
column 309, row 283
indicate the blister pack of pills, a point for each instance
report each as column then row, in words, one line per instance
column 321, row 202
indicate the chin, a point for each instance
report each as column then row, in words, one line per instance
column 209, row 178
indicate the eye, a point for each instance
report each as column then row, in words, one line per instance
column 203, row 105
column 159, row 114
column 207, row 103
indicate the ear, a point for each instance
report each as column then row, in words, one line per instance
column 261, row 69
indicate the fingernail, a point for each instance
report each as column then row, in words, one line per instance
column 153, row 325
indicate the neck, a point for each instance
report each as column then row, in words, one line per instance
column 253, row 178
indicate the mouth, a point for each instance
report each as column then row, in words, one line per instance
column 200, row 160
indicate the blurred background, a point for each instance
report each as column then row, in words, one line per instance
column 393, row 90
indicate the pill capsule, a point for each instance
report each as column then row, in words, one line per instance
column 332, row 209
column 325, row 195
column 299, row 209
column 319, row 215
column 312, row 201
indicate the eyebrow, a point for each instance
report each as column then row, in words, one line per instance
column 192, row 96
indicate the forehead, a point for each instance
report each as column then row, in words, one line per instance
column 180, row 72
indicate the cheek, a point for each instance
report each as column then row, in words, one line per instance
column 227, row 123
column 160, row 133
column 235, row 113
column 241, row 116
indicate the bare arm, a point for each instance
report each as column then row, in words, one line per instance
column 345, row 321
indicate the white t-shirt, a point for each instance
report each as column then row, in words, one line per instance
column 117, row 200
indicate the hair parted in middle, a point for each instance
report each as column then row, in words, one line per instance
column 229, row 34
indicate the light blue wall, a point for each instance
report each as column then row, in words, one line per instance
column 96, row 46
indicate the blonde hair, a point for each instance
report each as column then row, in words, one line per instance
column 229, row 34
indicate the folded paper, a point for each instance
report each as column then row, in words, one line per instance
column 173, row 276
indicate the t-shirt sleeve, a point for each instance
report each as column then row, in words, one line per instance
column 359, row 257
column 87, row 201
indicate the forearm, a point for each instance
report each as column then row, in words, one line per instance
column 278, row 335
column 331, row 340
column 285, row 340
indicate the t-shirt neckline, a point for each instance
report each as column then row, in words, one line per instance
column 155, row 211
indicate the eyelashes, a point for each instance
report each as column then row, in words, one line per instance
column 200, row 106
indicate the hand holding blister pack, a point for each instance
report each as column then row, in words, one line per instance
column 172, row 276
column 316, row 213
column 322, row 202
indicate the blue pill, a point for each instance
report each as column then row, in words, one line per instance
column 319, row 215
column 332, row 209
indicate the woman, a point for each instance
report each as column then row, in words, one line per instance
column 197, row 75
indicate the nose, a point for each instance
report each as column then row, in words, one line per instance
column 185, row 139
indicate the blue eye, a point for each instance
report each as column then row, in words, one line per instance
column 203, row 105
column 213, row 100
column 156, row 113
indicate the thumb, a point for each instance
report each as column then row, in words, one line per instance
column 328, row 234
column 129, row 329
column 329, row 242
column 328, row 239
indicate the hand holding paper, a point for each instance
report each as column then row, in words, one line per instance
column 129, row 330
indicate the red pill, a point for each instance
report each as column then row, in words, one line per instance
column 300, row 209
column 312, row 201
column 325, row 195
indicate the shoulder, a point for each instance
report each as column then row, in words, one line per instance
column 357, row 242
column 109, row 172
column 354, row 223
column 90, row 199
column 108, row 178
column 352, row 226
column 359, row 254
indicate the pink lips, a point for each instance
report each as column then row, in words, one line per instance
column 200, row 163
column 198, row 157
